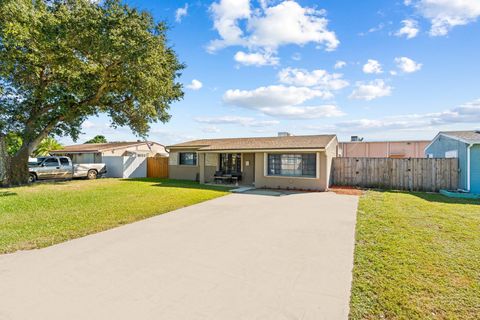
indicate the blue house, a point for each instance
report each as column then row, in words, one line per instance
column 464, row 145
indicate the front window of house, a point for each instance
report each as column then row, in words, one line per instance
column 230, row 162
column 292, row 165
column 188, row 158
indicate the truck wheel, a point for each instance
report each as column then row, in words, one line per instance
column 32, row 178
column 92, row 175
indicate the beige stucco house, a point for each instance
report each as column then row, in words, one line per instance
column 285, row 162
column 95, row 152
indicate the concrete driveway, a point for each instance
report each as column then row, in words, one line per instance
column 243, row 256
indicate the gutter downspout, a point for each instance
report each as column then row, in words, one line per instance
column 468, row 166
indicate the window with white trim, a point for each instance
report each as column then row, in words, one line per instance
column 292, row 165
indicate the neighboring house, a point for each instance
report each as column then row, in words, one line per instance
column 123, row 159
column 94, row 152
column 384, row 149
column 464, row 145
column 286, row 162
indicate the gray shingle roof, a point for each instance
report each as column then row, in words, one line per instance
column 267, row 143
column 472, row 136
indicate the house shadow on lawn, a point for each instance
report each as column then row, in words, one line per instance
column 435, row 197
column 171, row 183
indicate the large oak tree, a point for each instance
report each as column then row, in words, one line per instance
column 62, row 61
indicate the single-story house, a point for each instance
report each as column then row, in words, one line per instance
column 284, row 162
column 123, row 159
column 464, row 145
column 94, row 152
column 384, row 149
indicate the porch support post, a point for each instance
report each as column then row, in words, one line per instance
column 201, row 163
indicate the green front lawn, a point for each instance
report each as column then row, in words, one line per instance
column 417, row 256
column 47, row 213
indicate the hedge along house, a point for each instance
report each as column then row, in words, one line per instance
column 283, row 162
column 464, row 145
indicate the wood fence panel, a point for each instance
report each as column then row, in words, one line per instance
column 157, row 167
column 414, row 174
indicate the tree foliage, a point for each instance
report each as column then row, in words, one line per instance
column 48, row 144
column 97, row 139
column 62, row 61
column 13, row 143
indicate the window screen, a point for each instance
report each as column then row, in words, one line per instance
column 188, row 158
column 294, row 165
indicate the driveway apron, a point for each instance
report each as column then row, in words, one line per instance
column 242, row 256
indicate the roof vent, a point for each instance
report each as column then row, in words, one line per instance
column 284, row 134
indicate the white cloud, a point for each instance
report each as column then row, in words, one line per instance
column 282, row 102
column 87, row 124
column 407, row 65
column 210, row 129
column 446, row 14
column 464, row 114
column 371, row 90
column 256, row 59
column 243, row 121
column 373, row 29
column 272, row 96
column 339, row 64
column 195, row 85
column 409, row 30
column 372, row 66
column 226, row 15
column 181, row 12
column 303, row 112
column 315, row 78
column 290, row 23
column 269, row 27
column 168, row 136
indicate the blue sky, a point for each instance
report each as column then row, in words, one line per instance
column 378, row 69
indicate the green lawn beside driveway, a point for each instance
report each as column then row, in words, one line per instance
column 47, row 213
column 417, row 256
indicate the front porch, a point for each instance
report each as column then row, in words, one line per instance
column 227, row 168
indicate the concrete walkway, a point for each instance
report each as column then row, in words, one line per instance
column 243, row 256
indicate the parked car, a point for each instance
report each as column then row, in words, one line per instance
column 63, row 168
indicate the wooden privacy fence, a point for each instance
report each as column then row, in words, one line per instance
column 157, row 167
column 414, row 174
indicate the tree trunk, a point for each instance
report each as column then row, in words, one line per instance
column 4, row 163
column 18, row 168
